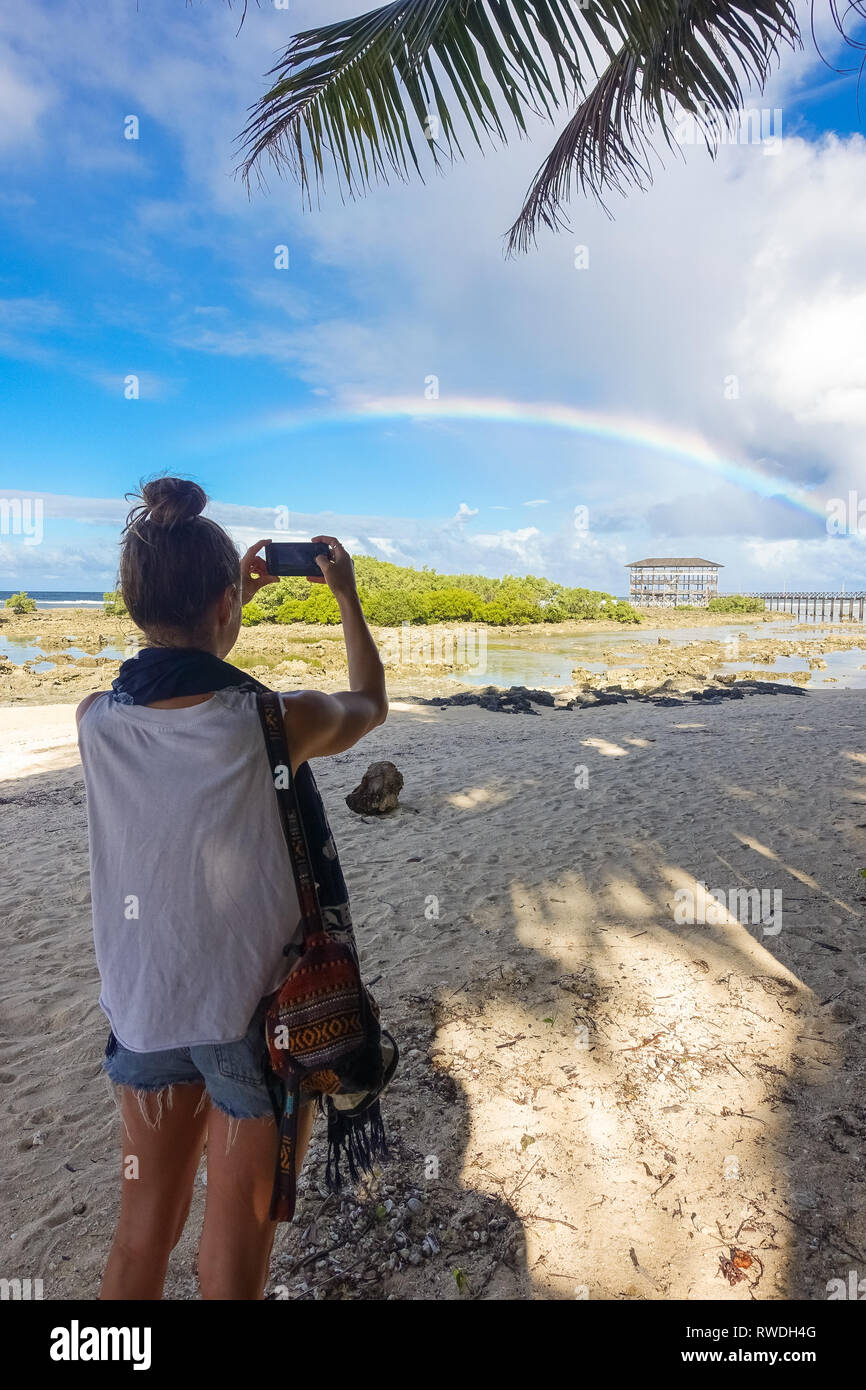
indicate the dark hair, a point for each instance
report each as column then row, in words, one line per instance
column 174, row 562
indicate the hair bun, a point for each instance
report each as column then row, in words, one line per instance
column 172, row 501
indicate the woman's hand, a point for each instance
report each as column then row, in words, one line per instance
column 338, row 572
column 254, row 572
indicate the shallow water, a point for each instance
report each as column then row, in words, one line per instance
column 509, row 663
column 512, row 663
column 843, row 666
column 18, row 652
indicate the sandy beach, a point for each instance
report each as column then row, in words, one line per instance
column 595, row 1100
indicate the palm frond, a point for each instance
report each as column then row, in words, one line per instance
column 697, row 58
column 346, row 92
column 366, row 95
column 602, row 146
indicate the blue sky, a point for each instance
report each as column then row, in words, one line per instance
column 297, row 388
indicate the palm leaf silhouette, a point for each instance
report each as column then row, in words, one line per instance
column 370, row 96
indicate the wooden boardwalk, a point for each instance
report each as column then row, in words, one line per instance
column 818, row 605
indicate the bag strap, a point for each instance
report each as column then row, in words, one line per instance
column 271, row 715
column 284, row 1193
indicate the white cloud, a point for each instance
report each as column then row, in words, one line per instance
column 23, row 101
column 86, row 511
column 387, row 548
column 443, row 544
column 32, row 314
column 35, row 567
column 464, row 511
column 509, row 540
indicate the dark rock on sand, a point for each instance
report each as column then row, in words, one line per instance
column 516, row 700
column 378, row 790
column 769, row 688
column 519, row 699
column 601, row 697
column 538, row 697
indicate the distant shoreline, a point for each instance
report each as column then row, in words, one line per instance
column 23, row 626
column 61, row 655
column 85, row 599
column 88, row 603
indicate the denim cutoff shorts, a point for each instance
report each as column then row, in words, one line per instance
column 237, row 1076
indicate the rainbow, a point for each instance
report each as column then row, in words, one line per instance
column 651, row 435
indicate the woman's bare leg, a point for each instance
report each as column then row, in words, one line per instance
column 236, row 1240
column 163, row 1137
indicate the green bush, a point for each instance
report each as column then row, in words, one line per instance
column 252, row 613
column 291, row 610
column 523, row 611
column 273, row 596
column 623, row 612
column 321, row 606
column 735, row 603
column 114, row 605
column 391, row 609
column 454, row 605
column 554, row 612
column 495, row 613
column 394, row 594
column 21, row 603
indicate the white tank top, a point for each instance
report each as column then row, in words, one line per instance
column 192, row 888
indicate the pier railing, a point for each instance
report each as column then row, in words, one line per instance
column 821, row 605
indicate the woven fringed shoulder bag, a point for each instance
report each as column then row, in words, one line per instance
column 322, row 1025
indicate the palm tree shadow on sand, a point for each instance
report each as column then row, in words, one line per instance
column 418, row 1229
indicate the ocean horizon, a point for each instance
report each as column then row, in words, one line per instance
column 59, row 598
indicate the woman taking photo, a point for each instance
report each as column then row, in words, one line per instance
column 193, row 897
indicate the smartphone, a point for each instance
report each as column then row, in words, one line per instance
column 295, row 557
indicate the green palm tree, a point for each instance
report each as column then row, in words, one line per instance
column 366, row 94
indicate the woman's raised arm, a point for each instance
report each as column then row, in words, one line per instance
column 318, row 724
